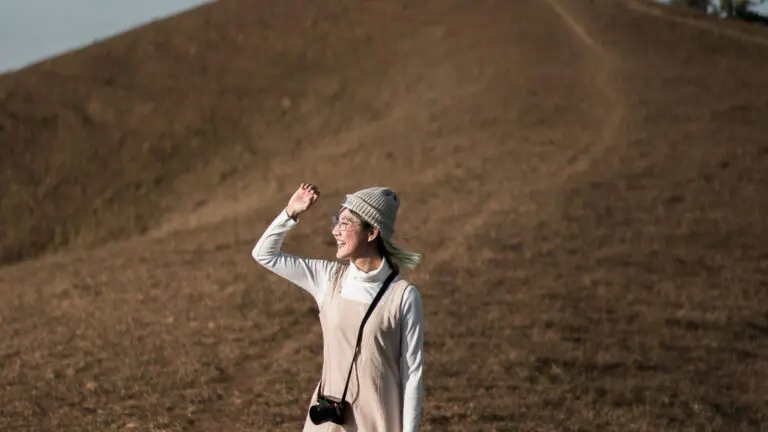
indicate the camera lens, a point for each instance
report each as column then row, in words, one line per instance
column 321, row 413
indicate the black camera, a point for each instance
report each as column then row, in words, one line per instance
column 328, row 409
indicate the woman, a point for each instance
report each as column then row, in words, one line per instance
column 382, row 382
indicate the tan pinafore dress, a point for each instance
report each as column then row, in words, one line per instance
column 375, row 386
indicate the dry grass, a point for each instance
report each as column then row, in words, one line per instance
column 592, row 215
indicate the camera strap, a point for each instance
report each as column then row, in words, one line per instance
column 375, row 300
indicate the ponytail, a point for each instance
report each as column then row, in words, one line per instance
column 399, row 257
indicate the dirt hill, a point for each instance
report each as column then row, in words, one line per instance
column 586, row 180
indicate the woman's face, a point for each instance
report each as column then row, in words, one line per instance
column 351, row 237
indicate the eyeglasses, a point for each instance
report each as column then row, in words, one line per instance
column 343, row 224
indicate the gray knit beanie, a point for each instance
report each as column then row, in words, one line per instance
column 377, row 205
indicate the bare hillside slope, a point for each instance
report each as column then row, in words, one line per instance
column 586, row 180
column 100, row 143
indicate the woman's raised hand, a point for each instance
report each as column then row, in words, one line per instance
column 304, row 197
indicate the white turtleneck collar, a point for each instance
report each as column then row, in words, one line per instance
column 377, row 275
column 361, row 286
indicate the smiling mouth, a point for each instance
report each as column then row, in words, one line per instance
column 340, row 245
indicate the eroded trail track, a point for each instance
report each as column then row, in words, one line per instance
column 583, row 181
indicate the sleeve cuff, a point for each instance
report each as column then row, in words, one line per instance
column 284, row 218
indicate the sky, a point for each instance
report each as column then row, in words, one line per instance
column 33, row 30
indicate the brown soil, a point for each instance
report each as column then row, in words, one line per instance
column 587, row 181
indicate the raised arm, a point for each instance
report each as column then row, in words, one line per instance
column 412, row 362
column 313, row 275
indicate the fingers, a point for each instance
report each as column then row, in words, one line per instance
column 310, row 187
